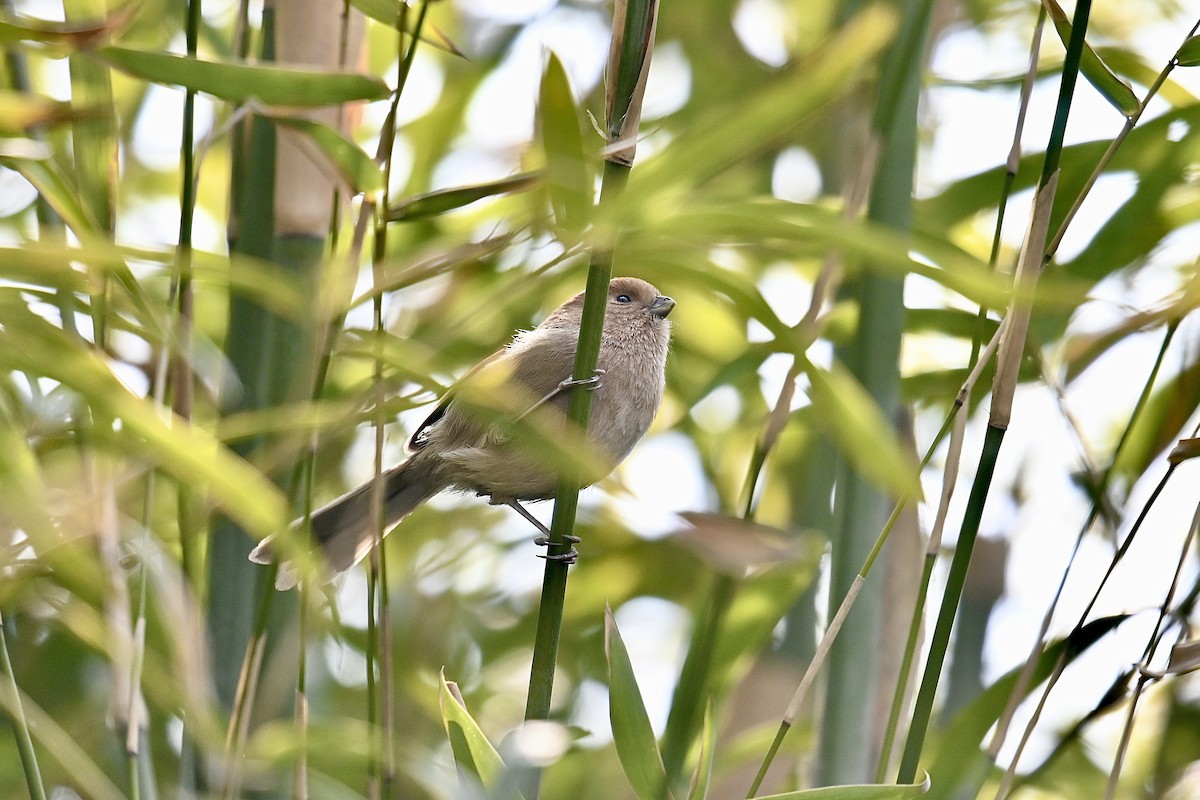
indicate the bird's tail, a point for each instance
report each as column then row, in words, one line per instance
column 343, row 528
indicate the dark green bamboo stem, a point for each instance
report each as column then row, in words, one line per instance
column 954, row 587
column 566, row 503
column 29, row 764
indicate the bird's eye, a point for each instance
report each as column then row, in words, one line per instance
column 624, row 298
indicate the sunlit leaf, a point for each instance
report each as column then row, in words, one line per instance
column 357, row 168
column 240, row 81
column 473, row 752
column 442, row 200
column 861, row 792
column 632, row 733
column 568, row 176
column 864, row 435
column 30, row 344
column 57, row 190
column 1111, row 88
column 702, row 777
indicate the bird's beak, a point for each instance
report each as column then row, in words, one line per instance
column 661, row 306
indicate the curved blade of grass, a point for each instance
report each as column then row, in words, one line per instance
column 440, row 201
column 883, row 791
column 568, row 177
column 1111, row 88
column 473, row 752
column 359, row 170
column 632, row 733
column 240, row 82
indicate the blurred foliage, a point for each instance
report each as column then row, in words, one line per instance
column 753, row 124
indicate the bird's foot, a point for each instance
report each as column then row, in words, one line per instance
column 568, row 557
column 591, row 384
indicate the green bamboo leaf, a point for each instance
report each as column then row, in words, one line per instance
column 568, row 176
column 1112, row 88
column 20, row 111
column 388, row 12
column 15, row 29
column 864, row 435
column 864, row 792
column 439, row 202
column 56, row 189
column 239, row 82
column 360, row 171
column 1189, row 53
column 702, row 777
column 30, row 344
column 473, row 752
column 632, row 733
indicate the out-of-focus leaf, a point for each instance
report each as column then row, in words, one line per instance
column 442, row 200
column 30, row 344
column 473, row 753
column 20, row 111
column 57, row 190
column 862, row 433
column 957, row 756
column 1162, row 419
column 17, row 29
column 881, row 791
column 1185, row 657
column 702, row 777
column 766, row 117
column 239, row 82
column 389, row 13
column 1189, row 53
column 1112, row 88
column 358, row 169
column 568, row 176
column 732, row 545
column 632, row 733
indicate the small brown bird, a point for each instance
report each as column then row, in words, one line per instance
column 467, row 447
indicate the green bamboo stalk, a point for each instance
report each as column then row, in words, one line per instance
column 633, row 35
column 1011, row 349
column 845, row 741
column 29, row 763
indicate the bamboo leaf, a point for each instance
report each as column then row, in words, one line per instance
column 56, row 189
column 240, row 82
column 702, row 777
column 568, row 176
column 16, row 29
column 863, row 434
column 1111, row 88
column 632, row 733
column 440, row 201
column 358, row 169
column 473, row 752
column 862, row 792
column 30, row 344
column 1189, row 53
column 20, row 111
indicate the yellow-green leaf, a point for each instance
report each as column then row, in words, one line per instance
column 239, row 82
column 442, row 200
column 1112, row 88
column 359, row 169
column 633, row 735
column 1189, row 53
column 473, row 752
column 863, row 434
column 568, row 176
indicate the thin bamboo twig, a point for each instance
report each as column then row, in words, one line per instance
column 1145, row 675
